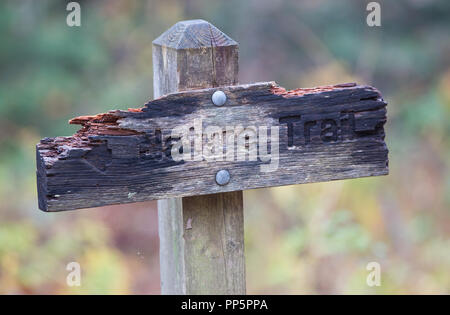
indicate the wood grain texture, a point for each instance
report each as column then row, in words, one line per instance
column 171, row 246
column 325, row 134
column 190, row 55
column 214, row 243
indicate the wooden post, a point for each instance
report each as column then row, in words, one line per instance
column 201, row 237
column 316, row 134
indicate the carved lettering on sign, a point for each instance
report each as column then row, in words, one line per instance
column 307, row 130
column 173, row 146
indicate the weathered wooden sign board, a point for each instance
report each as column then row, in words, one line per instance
column 174, row 146
column 206, row 139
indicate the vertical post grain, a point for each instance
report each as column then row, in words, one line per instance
column 201, row 237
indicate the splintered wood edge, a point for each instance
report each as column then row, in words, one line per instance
column 51, row 150
column 108, row 124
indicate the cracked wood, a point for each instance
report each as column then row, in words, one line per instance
column 325, row 133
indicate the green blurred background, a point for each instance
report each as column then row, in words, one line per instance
column 315, row 238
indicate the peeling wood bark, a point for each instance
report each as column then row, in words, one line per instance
column 325, row 133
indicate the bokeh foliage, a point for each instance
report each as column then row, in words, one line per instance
column 315, row 238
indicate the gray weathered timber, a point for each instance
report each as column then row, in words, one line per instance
column 195, row 54
column 326, row 133
column 214, row 243
column 171, row 246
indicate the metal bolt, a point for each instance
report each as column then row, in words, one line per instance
column 219, row 98
column 222, row 177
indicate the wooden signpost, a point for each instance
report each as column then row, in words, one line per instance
column 201, row 142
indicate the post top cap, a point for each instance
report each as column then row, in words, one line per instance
column 193, row 34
